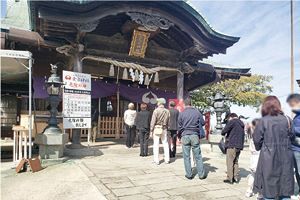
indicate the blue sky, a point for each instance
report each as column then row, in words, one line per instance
column 264, row 28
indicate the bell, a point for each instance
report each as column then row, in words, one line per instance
column 136, row 75
column 125, row 74
column 147, row 80
column 156, row 78
column 112, row 70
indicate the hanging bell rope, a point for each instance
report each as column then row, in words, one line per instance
column 129, row 65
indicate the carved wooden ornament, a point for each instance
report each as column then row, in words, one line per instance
column 139, row 43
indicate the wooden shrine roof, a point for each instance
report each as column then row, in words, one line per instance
column 184, row 33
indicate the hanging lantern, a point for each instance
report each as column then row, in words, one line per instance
column 156, row 78
column 112, row 70
column 125, row 74
column 136, row 75
column 147, row 80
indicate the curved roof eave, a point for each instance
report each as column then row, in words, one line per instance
column 193, row 23
column 189, row 8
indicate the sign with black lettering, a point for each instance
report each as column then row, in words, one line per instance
column 76, row 100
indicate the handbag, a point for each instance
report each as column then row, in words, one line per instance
column 222, row 145
column 158, row 130
column 202, row 132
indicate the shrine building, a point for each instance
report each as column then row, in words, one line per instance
column 135, row 51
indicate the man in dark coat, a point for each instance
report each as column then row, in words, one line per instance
column 234, row 132
column 173, row 126
column 142, row 122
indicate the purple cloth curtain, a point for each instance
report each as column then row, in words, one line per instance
column 102, row 89
column 143, row 95
column 39, row 88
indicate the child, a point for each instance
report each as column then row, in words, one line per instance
column 253, row 163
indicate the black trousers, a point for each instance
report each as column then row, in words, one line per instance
column 130, row 132
column 144, row 138
column 173, row 143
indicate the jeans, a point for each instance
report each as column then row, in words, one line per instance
column 173, row 143
column 192, row 142
column 232, row 161
column 280, row 198
column 164, row 141
column 144, row 138
column 297, row 166
column 130, row 131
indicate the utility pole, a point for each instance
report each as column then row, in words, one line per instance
column 292, row 49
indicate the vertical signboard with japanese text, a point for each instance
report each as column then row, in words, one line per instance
column 76, row 100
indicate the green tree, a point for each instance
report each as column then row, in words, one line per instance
column 246, row 91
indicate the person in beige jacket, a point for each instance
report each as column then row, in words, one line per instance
column 158, row 130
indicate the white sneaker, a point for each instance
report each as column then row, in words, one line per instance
column 295, row 197
column 249, row 194
column 156, row 163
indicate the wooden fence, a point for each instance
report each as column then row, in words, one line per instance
column 107, row 127
column 110, row 127
column 21, row 144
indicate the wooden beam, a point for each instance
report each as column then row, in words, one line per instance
column 180, row 85
column 125, row 57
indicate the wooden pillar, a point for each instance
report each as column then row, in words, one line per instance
column 180, row 85
column 118, row 115
column 76, row 133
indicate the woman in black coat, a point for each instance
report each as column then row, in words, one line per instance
column 274, row 177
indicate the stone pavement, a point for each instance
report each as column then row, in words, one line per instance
column 59, row 182
column 119, row 173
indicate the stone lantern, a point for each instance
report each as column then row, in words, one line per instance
column 220, row 108
column 51, row 141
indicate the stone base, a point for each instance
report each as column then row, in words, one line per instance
column 51, row 146
column 49, row 162
column 75, row 146
column 82, row 152
column 214, row 140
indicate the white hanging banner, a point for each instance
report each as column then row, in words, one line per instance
column 76, row 100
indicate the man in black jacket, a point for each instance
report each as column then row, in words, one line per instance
column 173, row 126
column 142, row 122
column 234, row 133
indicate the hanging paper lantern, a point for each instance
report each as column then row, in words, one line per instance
column 112, row 70
column 125, row 74
column 156, row 78
column 147, row 80
column 136, row 75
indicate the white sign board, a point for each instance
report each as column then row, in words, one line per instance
column 77, row 81
column 76, row 100
column 15, row 54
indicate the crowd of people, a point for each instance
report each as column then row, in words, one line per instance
column 274, row 143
